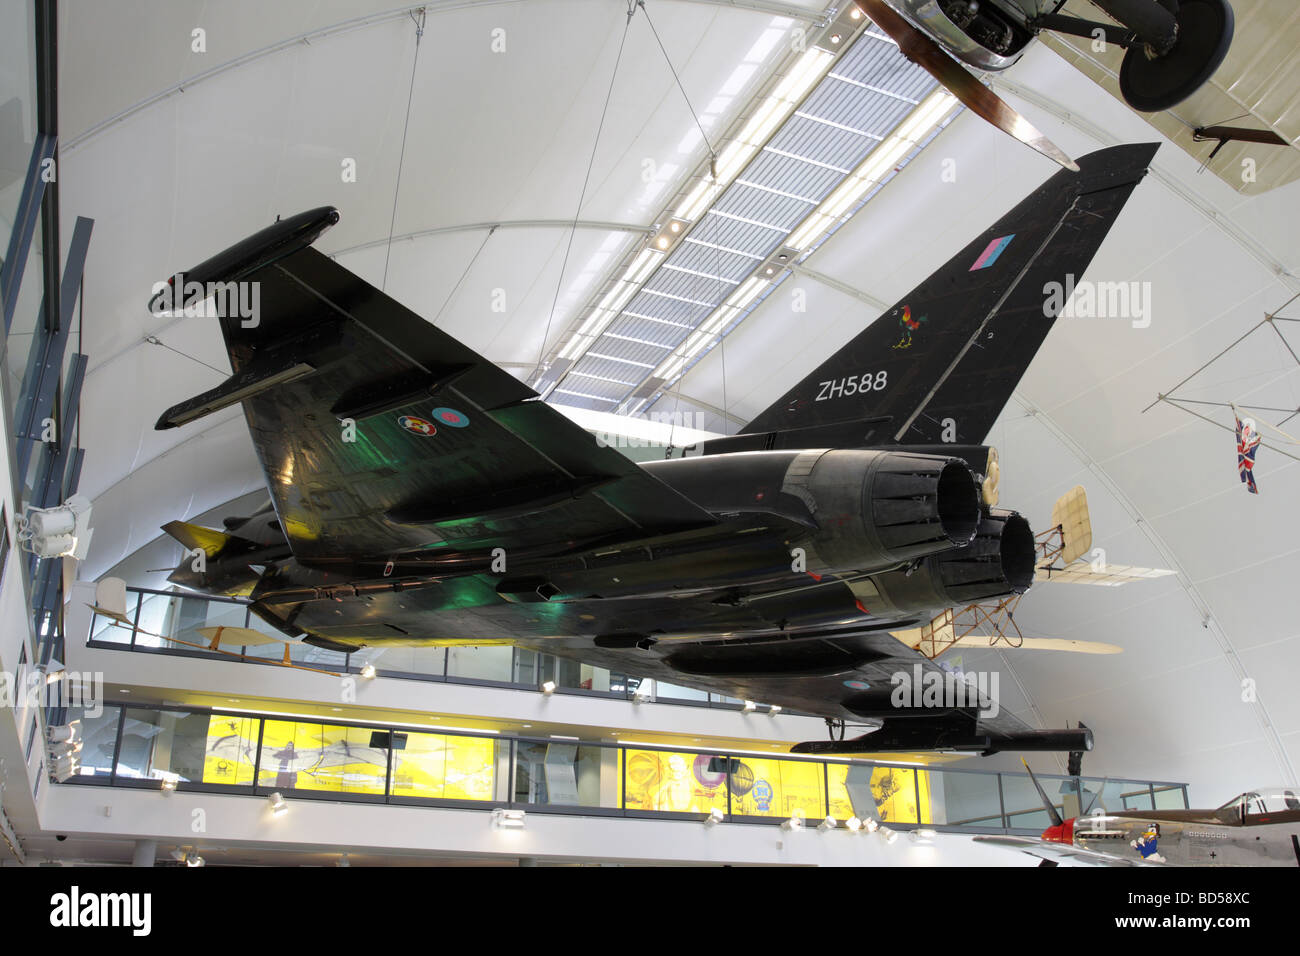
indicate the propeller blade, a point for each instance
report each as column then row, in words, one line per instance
column 918, row 47
column 1047, row 804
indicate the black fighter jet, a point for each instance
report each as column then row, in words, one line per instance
column 423, row 496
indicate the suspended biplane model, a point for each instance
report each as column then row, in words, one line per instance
column 424, row 496
column 1258, row 828
column 1172, row 48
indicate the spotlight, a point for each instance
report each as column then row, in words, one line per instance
column 853, row 824
column 871, row 824
column 889, row 835
column 795, row 822
column 194, row 860
column 645, row 691
column 855, row 14
column 368, row 672
column 64, row 733
column 774, row 710
column 58, row 532
column 169, row 781
column 749, row 707
column 65, row 767
column 836, row 38
column 53, row 672
column 548, row 688
column 715, row 817
column 278, row 805
column 830, row 823
column 504, row 819
column 922, row 837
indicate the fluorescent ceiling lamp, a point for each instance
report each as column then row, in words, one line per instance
column 877, row 165
column 611, row 304
column 764, row 121
column 711, row 327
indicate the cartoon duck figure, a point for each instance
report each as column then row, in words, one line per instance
column 909, row 325
column 1146, row 844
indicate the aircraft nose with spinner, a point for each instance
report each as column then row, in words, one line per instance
column 1060, row 833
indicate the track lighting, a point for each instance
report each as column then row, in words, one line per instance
column 548, row 688
column 715, row 817
column 278, row 805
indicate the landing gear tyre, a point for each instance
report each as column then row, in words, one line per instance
column 1204, row 35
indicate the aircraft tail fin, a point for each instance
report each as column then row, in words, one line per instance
column 196, row 537
column 941, row 364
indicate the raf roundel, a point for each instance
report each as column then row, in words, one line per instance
column 417, row 425
column 449, row 416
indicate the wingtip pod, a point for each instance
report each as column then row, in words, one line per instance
column 283, row 237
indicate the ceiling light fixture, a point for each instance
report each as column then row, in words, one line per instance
column 762, row 123
column 878, row 164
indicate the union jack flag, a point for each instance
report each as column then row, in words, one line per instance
column 1247, row 445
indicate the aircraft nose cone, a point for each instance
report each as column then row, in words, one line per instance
column 1062, row 833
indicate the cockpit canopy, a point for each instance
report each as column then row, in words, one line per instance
column 1265, row 801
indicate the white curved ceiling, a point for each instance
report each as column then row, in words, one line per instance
column 507, row 136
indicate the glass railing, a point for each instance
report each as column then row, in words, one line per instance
column 129, row 745
column 162, row 618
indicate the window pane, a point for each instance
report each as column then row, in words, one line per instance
column 442, row 767
column 481, row 663
column 964, row 799
column 98, row 737
column 155, row 743
column 311, row 756
column 566, row 775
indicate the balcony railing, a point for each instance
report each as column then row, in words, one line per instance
column 306, row 757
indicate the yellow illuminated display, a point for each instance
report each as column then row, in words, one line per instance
column 894, row 790
column 298, row 755
column 675, row 782
column 231, row 750
column 443, row 767
column 697, row 783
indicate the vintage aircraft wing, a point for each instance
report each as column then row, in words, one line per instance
column 1106, row 575
column 380, row 434
column 1054, row 852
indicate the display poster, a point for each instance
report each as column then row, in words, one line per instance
column 894, row 790
column 442, row 767
column 778, row 788
column 677, row 782
column 231, row 752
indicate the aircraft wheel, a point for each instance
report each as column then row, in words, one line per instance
column 1204, row 35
